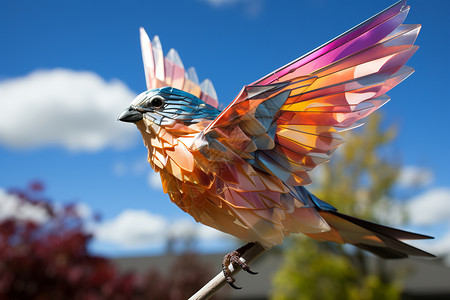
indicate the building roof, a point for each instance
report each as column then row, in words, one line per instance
column 422, row 276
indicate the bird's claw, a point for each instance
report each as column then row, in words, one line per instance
column 251, row 272
column 230, row 281
column 233, row 258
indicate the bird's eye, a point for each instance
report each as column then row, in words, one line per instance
column 156, row 102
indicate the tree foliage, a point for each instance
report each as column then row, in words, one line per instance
column 46, row 257
column 358, row 182
column 185, row 277
column 361, row 175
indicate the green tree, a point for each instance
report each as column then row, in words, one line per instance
column 358, row 182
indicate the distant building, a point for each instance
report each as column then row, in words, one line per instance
column 424, row 279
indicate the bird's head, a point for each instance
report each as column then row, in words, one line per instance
column 167, row 105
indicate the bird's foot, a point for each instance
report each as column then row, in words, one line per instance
column 234, row 258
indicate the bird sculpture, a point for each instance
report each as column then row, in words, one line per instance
column 243, row 170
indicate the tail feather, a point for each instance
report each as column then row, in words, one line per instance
column 383, row 252
column 380, row 240
column 384, row 230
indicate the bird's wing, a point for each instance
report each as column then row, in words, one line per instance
column 289, row 121
column 163, row 71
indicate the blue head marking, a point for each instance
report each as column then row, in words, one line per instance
column 167, row 105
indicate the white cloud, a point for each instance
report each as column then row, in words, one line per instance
column 83, row 210
column 154, row 180
column 135, row 167
column 227, row 2
column 182, row 228
column 441, row 245
column 220, row 2
column 12, row 207
column 15, row 208
column 73, row 109
column 130, row 230
column 251, row 7
column 137, row 229
column 187, row 227
column 133, row 229
column 430, row 207
column 413, row 177
column 207, row 233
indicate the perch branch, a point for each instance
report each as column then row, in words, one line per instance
column 208, row 290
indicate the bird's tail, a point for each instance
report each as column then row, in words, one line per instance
column 381, row 240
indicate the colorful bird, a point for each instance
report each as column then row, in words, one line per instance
column 243, row 170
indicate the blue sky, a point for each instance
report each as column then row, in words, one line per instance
column 68, row 68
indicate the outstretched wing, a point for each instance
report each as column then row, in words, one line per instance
column 163, row 71
column 289, row 121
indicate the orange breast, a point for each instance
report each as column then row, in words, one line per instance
column 230, row 196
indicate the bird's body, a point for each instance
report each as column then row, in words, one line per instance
column 226, row 193
column 243, row 170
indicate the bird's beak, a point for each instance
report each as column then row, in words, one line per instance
column 130, row 115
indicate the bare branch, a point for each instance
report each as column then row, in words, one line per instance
column 208, row 290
